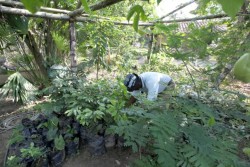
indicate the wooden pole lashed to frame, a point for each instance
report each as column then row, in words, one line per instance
column 73, row 55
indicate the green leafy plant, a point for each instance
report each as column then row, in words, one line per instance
column 13, row 161
column 59, row 143
column 85, row 6
column 16, row 136
column 139, row 13
column 32, row 151
column 146, row 161
column 246, row 150
column 17, row 87
column 135, row 134
column 60, row 42
column 179, row 135
column 231, row 7
column 242, row 68
column 32, row 6
column 88, row 102
column 52, row 126
column 18, row 23
column 28, row 64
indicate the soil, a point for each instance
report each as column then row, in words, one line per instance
column 115, row 157
column 6, row 107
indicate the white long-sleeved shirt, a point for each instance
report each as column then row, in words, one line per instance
column 153, row 83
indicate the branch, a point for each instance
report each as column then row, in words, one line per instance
column 24, row 12
column 76, row 12
column 195, row 18
column 103, row 4
column 180, row 20
column 97, row 6
column 16, row 4
column 179, row 8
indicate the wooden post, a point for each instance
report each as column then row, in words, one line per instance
column 150, row 47
column 73, row 45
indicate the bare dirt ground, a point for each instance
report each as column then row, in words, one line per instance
column 5, row 108
column 115, row 157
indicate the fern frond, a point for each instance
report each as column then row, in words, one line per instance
column 135, row 134
column 206, row 150
column 165, row 158
column 164, row 128
column 164, row 123
column 193, row 157
column 145, row 162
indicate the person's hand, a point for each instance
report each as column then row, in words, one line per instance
column 131, row 101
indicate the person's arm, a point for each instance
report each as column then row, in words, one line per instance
column 131, row 101
column 153, row 91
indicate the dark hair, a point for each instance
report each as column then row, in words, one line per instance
column 132, row 81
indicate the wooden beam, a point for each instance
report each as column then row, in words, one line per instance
column 16, row 4
column 103, row 4
column 24, row 12
column 97, row 6
column 73, row 46
column 177, row 9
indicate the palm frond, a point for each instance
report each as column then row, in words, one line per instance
column 18, row 88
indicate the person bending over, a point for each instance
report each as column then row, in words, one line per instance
column 151, row 83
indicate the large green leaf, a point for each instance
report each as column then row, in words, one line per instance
column 18, row 23
column 59, row 143
column 231, row 7
column 17, row 87
column 139, row 13
column 85, row 6
column 158, row 1
column 132, row 11
column 241, row 68
column 136, row 22
column 143, row 15
column 33, row 6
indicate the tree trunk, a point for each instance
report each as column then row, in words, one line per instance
column 97, row 68
column 150, row 46
column 48, row 41
column 32, row 45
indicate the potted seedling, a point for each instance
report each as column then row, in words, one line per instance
column 31, row 154
column 15, row 143
column 14, row 161
column 96, row 145
column 57, row 155
column 71, row 146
